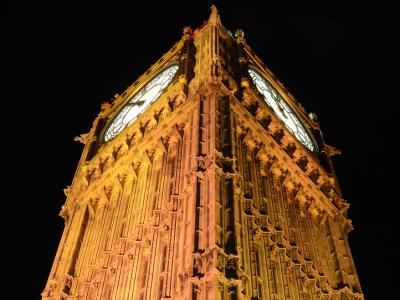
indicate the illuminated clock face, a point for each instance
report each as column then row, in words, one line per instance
column 140, row 102
column 282, row 109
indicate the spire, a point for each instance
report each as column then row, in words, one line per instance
column 214, row 17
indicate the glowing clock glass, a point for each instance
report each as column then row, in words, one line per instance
column 282, row 110
column 140, row 102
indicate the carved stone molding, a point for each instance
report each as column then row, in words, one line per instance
column 175, row 218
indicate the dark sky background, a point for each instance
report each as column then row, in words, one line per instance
column 65, row 59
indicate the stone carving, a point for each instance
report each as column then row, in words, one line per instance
column 189, row 177
column 257, row 237
column 103, row 164
column 146, row 246
column 83, row 138
column 331, row 151
column 165, row 142
column 261, row 113
column 221, row 262
column 122, row 179
column 231, row 266
column 64, row 213
column 90, row 175
column 181, row 97
column 68, row 191
column 183, row 280
column 201, row 164
column 50, row 289
column 255, row 216
column 92, row 205
column 197, row 288
column 129, row 140
column 198, row 269
column 108, row 191
column 165, row 227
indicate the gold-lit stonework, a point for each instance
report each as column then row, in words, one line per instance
column 206, row 194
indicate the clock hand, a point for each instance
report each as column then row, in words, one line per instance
column 137, row 103
column 281, row 110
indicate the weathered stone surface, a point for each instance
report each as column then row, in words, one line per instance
column 206, row 195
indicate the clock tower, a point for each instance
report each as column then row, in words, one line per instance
column 204, row 179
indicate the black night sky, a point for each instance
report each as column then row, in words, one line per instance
column 65, row 59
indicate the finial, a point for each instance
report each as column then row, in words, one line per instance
column 214, row 17
column 239, row 34
column 214, row 9
column 245, row 83
column 313, row 116
column 187, row 32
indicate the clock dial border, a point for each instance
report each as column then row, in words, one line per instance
column 129, row 105
column 286, row 114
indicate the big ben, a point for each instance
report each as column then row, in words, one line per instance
column 205, row 179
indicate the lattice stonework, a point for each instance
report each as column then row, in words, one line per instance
column 205, row 179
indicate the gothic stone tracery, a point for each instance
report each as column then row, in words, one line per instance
column 205, row 196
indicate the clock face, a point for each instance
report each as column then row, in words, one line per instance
column 282, row 110
column 140, row 102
